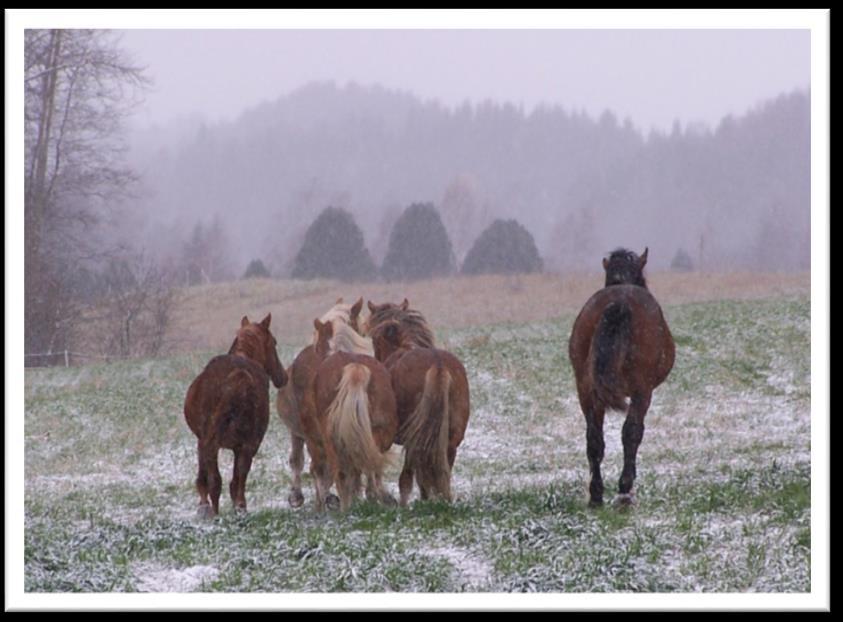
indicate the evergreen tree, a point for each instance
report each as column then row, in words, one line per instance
column 333, row 248
column 419, row 246
column 256, row 270
column 505, row 247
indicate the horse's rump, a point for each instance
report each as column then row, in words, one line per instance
column 349, row 421
column 237, row 419
column 425, row 433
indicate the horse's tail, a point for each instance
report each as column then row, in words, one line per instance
column 609, row 348
column 425, row 432
column 349, row 423
column 237, row 406
column 287, row 404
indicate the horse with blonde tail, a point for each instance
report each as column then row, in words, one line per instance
column 349, row 418
column 343, row 319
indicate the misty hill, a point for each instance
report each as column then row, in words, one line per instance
column 735, row 196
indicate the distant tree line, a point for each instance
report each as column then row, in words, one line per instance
column 736, row 195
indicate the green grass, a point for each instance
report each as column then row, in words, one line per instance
column 723, row 479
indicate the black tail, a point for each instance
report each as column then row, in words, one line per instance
column 237, row 406
column 608, row 348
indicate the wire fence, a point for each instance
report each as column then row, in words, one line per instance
column 65, row 358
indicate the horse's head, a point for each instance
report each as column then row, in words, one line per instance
column 624, row 267
column 414, row 327
column 379, row 313
column 254, row 341
column 386, row 339
column 324, row 332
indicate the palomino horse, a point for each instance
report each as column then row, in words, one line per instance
column 344, row 320
column 620, row 347
column 431, row 389
column 349, row 422
column 227, row 406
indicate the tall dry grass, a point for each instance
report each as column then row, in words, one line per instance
column 206, row 317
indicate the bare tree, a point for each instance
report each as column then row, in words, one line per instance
column 206, row 255
column 138, row 302
column 463, row 214
column 78, row 88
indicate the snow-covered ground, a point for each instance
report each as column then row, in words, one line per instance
column 723, row 484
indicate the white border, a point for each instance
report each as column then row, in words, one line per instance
column 815, row 20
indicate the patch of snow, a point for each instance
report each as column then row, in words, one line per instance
column 152, row 578
column 472, row 570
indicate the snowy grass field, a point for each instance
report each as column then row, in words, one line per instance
column 723, row 482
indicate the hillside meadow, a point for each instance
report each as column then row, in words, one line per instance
column 724, row 470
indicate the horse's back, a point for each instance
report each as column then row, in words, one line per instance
column 654, row 347
column 330, row 371
column 291, row 395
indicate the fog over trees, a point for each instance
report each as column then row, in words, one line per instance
column 732, row 197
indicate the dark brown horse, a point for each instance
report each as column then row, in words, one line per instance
column 349, row 422
column 620, row 347
column 346, row 337
column 431, row 389
column 227, row 406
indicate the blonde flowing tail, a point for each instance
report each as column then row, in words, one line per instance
column 426, row 433
column 349, row 424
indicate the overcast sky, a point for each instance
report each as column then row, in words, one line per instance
column 651, row 76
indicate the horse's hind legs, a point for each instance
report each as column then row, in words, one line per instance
column 208, row 481
column 405, row 485
column 594, row 450
column 632, row 433
column 237, row 488
column 375, row 490
column 296, row 498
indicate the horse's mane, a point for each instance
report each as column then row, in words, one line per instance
column 345, row 338
column 628, row 258
column 413, row 325
column 406, row 339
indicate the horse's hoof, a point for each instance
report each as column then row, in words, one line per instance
column 240, row 510
column 205, row 511
column 624, row 501
column 296, row 499
column 332, row 502
column 388, row 500
column 595, row 503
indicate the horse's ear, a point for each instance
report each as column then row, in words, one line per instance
column 339, row 301
column 642, row 261
column 605, row 263
column 371, row 306
column 317, row 324
column 356, row 308
column 265, row 321
column 405, row 304
column 244, row 322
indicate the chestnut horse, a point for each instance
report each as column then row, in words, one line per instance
column 620, row 347
column 227, row 406
column 431, row 389
column 346, row 337
column 349, row 422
